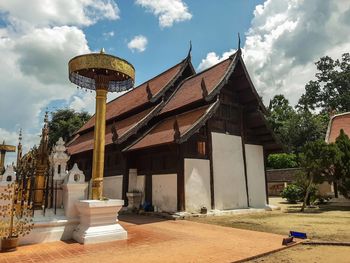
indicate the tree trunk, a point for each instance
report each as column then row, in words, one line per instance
column 307, row 193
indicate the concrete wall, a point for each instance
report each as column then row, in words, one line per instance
column 113, row 187
column 140, row 185
column 164, row 192
column 256, row 175
column 197, row 184
column 228, row 168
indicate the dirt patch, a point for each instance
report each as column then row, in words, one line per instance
column 327, row 222
column 302, row 253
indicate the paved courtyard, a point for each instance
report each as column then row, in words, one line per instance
column 156, row 240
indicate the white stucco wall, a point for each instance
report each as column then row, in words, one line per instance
column 256, row 175
column 140, row 185
column 197, row 184
column 113, row 186
column 164, row 192
column 228, row 172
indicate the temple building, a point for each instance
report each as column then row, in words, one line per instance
column 186, row 140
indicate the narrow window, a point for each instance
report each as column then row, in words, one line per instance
column 201, row 148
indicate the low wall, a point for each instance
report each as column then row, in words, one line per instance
column 228, row 168
column 256, row 175
column 164, row 192
column 197, row 184
column 113, row 187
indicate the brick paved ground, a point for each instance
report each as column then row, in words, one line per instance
column 155, row 240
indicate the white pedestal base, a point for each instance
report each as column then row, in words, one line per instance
column 98, row 221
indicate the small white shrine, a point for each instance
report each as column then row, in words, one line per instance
column 73, row 217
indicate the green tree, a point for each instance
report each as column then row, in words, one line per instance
column 317, row 161
column 282, row 160
column 342, row 166
column 295, row 127
column 331, row 89
column 64, row 123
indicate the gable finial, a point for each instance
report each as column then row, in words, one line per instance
column 239, row 41
column 190, row 50
column 114, row 132
column 177, row 133
column 204, row 88
column 149, row 92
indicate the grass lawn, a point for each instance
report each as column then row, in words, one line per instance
column 329, row 222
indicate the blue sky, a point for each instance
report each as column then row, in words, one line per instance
column 213, row 27
column 280, row 40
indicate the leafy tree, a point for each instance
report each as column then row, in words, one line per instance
column 317, row 161
column 331, row 89
column 282, row 160
column 342, row 166
column 295, row 127
column 64, row 123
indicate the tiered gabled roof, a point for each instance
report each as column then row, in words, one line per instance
column 201, row 85
column 145, row 93
column 175, row 129
column 132, row 110
column 85, row 142
column 185, row 111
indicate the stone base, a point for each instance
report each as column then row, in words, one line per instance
column 98, row 221
column 97, row 234
column 51, row 227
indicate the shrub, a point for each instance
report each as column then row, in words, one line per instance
column 282, row 160
column 292, row 193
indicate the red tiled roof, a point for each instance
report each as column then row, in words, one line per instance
column 85, row 142
column 190, row 90
column 137, row 96
column 163, row 132
column 338, row 122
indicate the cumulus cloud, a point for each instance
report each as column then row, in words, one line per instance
column 138, row 43
column 59, row 12
column 212, row 58
column 287, row 37
column 35, row 48
column 44, row 53
column 167, row 11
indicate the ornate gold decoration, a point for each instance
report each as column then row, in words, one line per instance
column 103, row 73
column 16, row 213
column 84, row 69
column 7, row 148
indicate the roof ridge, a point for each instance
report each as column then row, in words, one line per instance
column 213, row 66
column 232, row 57
column 138, row 86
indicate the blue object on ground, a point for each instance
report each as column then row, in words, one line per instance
column 296, row 234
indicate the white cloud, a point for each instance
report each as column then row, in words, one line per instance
column 138, row 43
column 44, row 53
column 59, row 12
column 212, row 58
column 35, row 48
column 287, row 37
column 108, row 34
column 167, row 11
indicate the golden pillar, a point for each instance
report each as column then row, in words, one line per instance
column 2, row 160
column 99, row 144
column 103, row 73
